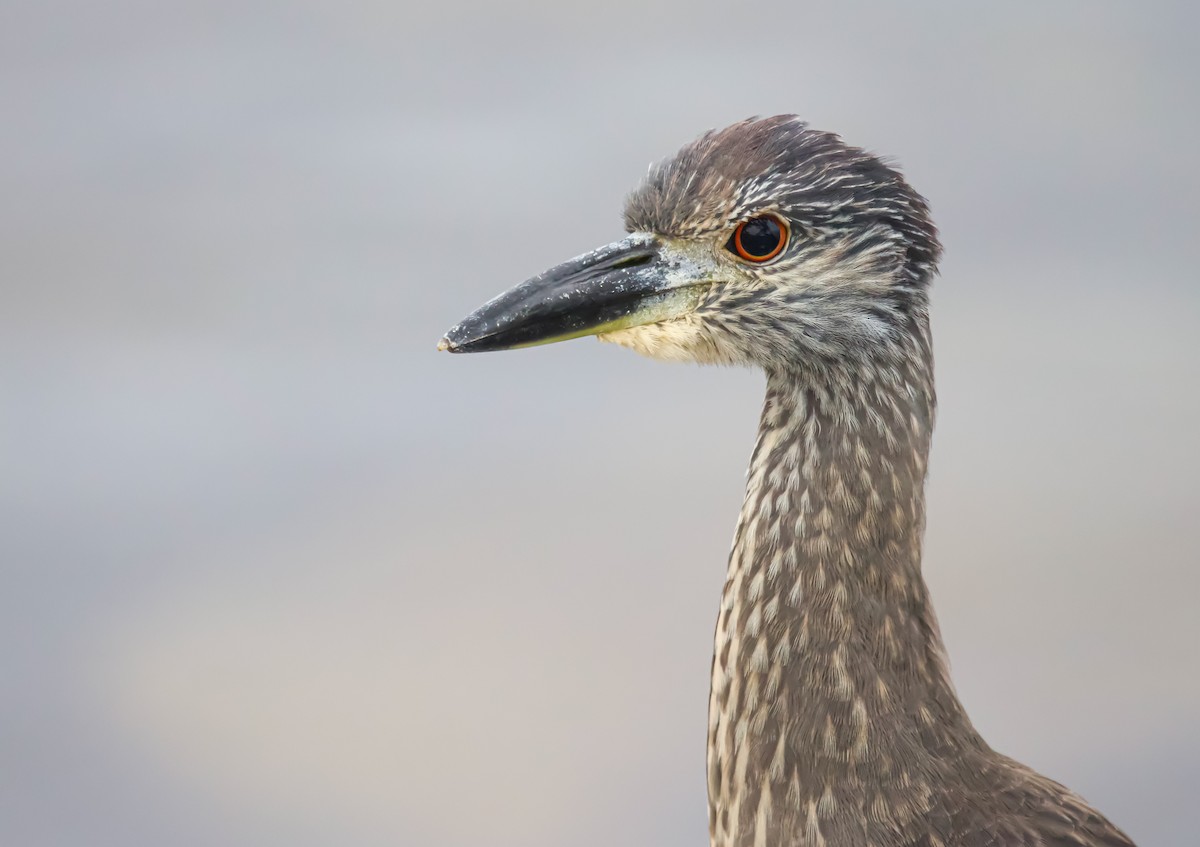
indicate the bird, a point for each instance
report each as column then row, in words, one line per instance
column 833, row 720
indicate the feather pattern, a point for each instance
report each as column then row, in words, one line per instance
column 832, row 719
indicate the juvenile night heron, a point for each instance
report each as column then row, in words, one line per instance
column 832, row 718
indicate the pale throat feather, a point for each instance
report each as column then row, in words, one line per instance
column 829, row 685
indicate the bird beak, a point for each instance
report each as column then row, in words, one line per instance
column 629, row 283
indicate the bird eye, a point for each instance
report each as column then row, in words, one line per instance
column 758, row 239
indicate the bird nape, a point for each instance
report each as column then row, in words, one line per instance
column 832, row 718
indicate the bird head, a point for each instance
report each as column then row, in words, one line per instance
column 765, row 243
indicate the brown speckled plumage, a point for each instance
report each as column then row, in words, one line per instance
column 832, row 718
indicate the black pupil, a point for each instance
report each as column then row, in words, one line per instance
column 761, row 236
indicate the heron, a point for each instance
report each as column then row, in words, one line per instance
column 833, row 721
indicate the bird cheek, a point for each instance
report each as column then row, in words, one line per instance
column 668, row 340
column 682, row 339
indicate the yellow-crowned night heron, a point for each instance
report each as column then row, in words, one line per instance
column 832, row 719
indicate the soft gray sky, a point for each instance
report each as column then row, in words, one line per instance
column 273, row 571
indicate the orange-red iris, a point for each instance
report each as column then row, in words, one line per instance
column 759, row 239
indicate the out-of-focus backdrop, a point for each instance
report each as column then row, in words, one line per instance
column 276, row 572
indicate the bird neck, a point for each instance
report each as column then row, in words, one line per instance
column 830, row 691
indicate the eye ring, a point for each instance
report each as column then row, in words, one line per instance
column 759, row 239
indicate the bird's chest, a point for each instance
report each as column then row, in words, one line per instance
column 794, row 745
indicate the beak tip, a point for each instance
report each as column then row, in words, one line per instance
column 454, row 341
column 464, row 337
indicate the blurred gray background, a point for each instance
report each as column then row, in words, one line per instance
column 276, row 572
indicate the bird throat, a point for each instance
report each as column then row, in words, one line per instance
column 832, row 719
